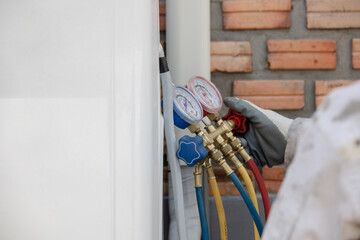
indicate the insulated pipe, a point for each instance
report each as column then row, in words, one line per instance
column 188, row 54
column 168, row 96
column 187, row 41
column 251, row 191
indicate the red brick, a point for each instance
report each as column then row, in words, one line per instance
column 256, row 14
column 256, row 5
column 162, row 8
column 302, row 45
column 273, row 173
column 356, row 44
column 302, row 61
column 356, row 53
column 232, row 189
column 277, row 102
column 230, row 48
column 231, row 64
column 269, row 88
column 222, row 189
column 256, row 20
column 251, row 175
column 272, row 186
column 162, row 17
column 272, row 94
column 165, row 174
column 337, row 20
column 325, row 87
column 165, row 189
column 322, row 88
column 304, row 54
column 332, row 6
column 356, row 60
column 319, row 100
column 231, row 56
column 334, row 14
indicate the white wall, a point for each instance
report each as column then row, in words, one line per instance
column 80, row 125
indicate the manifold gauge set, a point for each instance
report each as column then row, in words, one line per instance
column 217, row 142
column 193, row 102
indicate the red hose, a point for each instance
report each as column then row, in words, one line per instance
column 260, row 182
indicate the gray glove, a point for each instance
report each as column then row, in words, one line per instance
column 266, row 136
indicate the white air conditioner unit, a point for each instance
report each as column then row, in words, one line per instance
column 80, row 124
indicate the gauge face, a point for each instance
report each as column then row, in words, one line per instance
column 188, row 104
column 206, row 93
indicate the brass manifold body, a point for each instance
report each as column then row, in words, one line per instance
column 215, row 140
column 220, row 143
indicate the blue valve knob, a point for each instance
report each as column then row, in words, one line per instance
column 191, row 150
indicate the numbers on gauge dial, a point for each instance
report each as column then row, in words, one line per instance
column 187, row 103
column 207, row 93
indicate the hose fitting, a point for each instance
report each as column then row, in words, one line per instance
column 227, row 150
column 194, row 128
column 213, row 116
column 218, row 157
column 212, row 138
column 197, row 175
column 210, row 128
column 209, row 169
column 236, row 144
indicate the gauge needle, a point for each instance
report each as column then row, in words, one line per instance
column 204, row 93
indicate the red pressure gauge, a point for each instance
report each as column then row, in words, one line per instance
column 207, row 94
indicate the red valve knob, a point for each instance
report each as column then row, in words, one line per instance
column 241, row 122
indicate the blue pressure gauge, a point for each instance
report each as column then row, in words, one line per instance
column 187, row 109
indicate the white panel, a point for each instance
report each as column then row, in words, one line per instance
column 54, row 169
column 52, row 48
column 80, row 122
column 137, row 123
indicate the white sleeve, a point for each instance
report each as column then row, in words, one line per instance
column 296, row 128
column 320, row 195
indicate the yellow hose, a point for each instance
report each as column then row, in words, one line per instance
column 251, row 191
column 219, row 208
column 218, row 201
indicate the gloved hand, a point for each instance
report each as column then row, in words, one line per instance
column 266, row 136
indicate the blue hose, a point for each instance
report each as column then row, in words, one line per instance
column 200, row 202
column 248, row 202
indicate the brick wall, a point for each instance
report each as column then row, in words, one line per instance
column 271, row 94
column 285, row 55
column 299, row 52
